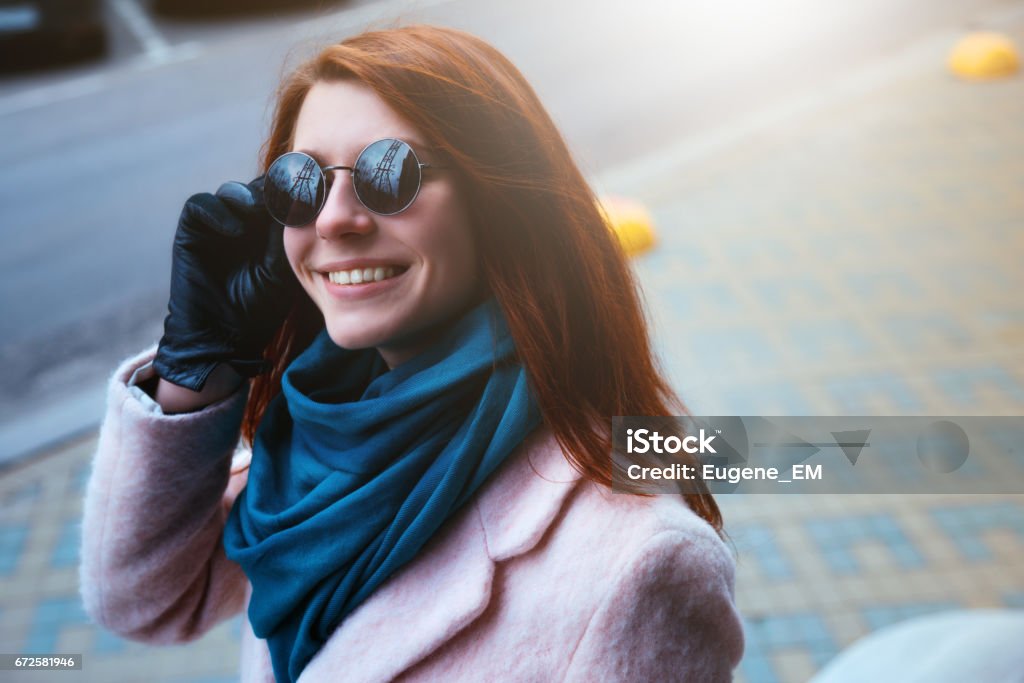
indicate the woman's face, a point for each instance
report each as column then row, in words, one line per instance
column 429, row 247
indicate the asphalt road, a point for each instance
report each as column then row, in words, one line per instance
column 96, row 159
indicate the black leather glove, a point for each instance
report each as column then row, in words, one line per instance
column 231, row 286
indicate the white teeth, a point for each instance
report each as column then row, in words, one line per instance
column 361, row 275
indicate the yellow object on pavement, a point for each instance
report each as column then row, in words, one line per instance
column 984, row 55
column 631, row 223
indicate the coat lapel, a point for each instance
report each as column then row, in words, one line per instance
column 526, row 496
column 449, row 585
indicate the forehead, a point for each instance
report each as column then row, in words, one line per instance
column 339, row 118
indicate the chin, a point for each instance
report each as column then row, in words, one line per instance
column 346, row 340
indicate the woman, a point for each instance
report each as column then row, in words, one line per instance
column 446, row 327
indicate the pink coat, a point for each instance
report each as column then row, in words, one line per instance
column 542, row 577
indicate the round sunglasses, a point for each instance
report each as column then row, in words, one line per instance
column 387, row 176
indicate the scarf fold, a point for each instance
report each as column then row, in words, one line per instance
column 355, row 467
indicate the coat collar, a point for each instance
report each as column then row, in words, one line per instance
column 525, row 497
column 449, row 584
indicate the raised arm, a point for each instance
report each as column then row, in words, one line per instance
column 152, row 564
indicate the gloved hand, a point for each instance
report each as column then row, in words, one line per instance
column 231, row 286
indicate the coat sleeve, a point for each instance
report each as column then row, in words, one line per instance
column 668, row 616
column 153, row 566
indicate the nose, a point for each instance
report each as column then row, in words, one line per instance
column 342, row 214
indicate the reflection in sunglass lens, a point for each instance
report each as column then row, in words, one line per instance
column 387, row 176
column 294, row 189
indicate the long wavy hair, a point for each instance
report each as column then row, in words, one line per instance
column 548, row 256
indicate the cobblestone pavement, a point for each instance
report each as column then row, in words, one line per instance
column 862, row 259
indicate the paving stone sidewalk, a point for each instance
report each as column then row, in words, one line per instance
column 867, row 259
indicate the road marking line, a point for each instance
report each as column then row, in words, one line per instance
column 695, row 149
column 633, row 176
column 142, row 28
column 160, row 53
column 366, row 15
column 46, row 95
column 38, row 97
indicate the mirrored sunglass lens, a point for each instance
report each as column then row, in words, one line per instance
column 387, row 176
column 294, row 189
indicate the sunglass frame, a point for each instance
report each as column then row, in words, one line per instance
column 420, row 166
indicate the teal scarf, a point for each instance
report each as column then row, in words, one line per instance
column 355, row 467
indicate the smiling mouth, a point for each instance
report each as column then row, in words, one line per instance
column 358, row 276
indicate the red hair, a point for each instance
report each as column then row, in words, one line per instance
column 547, row 254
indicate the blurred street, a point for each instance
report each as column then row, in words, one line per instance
column 98, row 158
column 841, row 232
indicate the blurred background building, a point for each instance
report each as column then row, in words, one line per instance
column 840, row 231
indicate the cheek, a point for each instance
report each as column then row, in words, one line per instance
column 294, row 248
column 460, row 261
column 462, row 243
column 446, row 242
